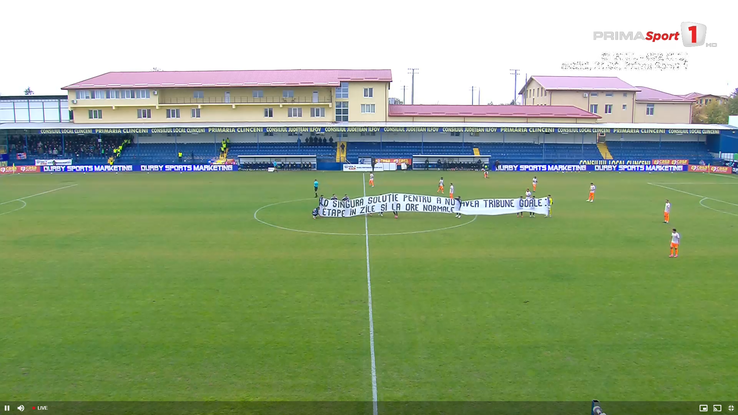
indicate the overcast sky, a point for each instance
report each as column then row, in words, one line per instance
column 49, row 44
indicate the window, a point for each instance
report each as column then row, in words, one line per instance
column 99, row 95
column 173, row 113
column 649, row 109
column 455, row 134
column 342, row 91
column 593, row 94
column 608, row 108
column 126, row 94
column 95, row 114
column 368, row 134
column 198, row 95
column 196, row 113
column 258, row 93
column 545, row 93
column 367, row 108
column 368, row 92
column 317, row 112
column 625, row 95
column 268, row 112
column 294, row 112
column 83, row 94
column 288, row 93
column 113, row 94
column 609, row 94
column 269, row 133
column 593, row 108
column 144, row 113
column 142, row 93
column 625, row 107
column 342, row 111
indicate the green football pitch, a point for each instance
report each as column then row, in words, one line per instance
column 221, row 286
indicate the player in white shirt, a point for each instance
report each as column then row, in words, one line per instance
column 371, row 179
column 528, row 194
column 440, row 186
column 451, row 191
column 667, row 211
column 529, row 198
column 675, row 238
column 592, row 189
column 535, row 183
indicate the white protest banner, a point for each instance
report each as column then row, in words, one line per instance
column 401, row 202
column 362, row 167
column 57, row 162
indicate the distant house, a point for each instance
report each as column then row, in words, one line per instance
column 613, row 99
column 704, row 99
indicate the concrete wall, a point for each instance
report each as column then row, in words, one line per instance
column 664, row 113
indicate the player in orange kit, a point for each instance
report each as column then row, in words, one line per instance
column 371, row 179
column 535, row 183
column 675, row 238
column 667, row 211
column 592, row 189
column 440, row 186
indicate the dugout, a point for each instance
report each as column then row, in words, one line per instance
column 281, row 162
column 450, row 161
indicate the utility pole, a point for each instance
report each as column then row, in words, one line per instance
column 479, row 96
column 472, row 95
column 403, row 95
column 515, row 72
column 412, row 71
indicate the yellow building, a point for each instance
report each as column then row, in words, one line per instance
column 283, row 96
column 704, row 99
column 613, row 99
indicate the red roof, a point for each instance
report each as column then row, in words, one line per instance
column 654, row 95
column 215, row 79
column 502, row 111
column 581, row 83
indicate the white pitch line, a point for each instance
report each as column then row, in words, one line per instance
column 700, row 184
column 371, row 314
column 38, row 194
column 716, row 210
column 701, row 201
column 14, row 210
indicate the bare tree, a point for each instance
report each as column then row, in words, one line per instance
column 28, row 91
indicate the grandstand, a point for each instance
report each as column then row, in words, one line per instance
column 510, row 152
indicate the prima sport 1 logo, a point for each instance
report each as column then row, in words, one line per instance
column 691, row 35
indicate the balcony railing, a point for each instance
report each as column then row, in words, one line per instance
column 245, row 100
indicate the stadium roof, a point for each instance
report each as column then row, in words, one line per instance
column 516, row 111
column 654, row 95
column 429, row 124
column 222, row 79
column 580, row 83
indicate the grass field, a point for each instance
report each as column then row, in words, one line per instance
column 165, row 287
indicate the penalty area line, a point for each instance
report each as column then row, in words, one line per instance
column 371, row 314
column 702, row 200
column 38, row 194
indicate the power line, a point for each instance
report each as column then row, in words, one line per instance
column 412, row 71
column 515, row 72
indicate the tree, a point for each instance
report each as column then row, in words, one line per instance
column 396, row 101
column 698, row 115
column 513, row 102
column 157, row 69
column 733, row 103
column 490, row 103
column 28, row 91
column 716, row 113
